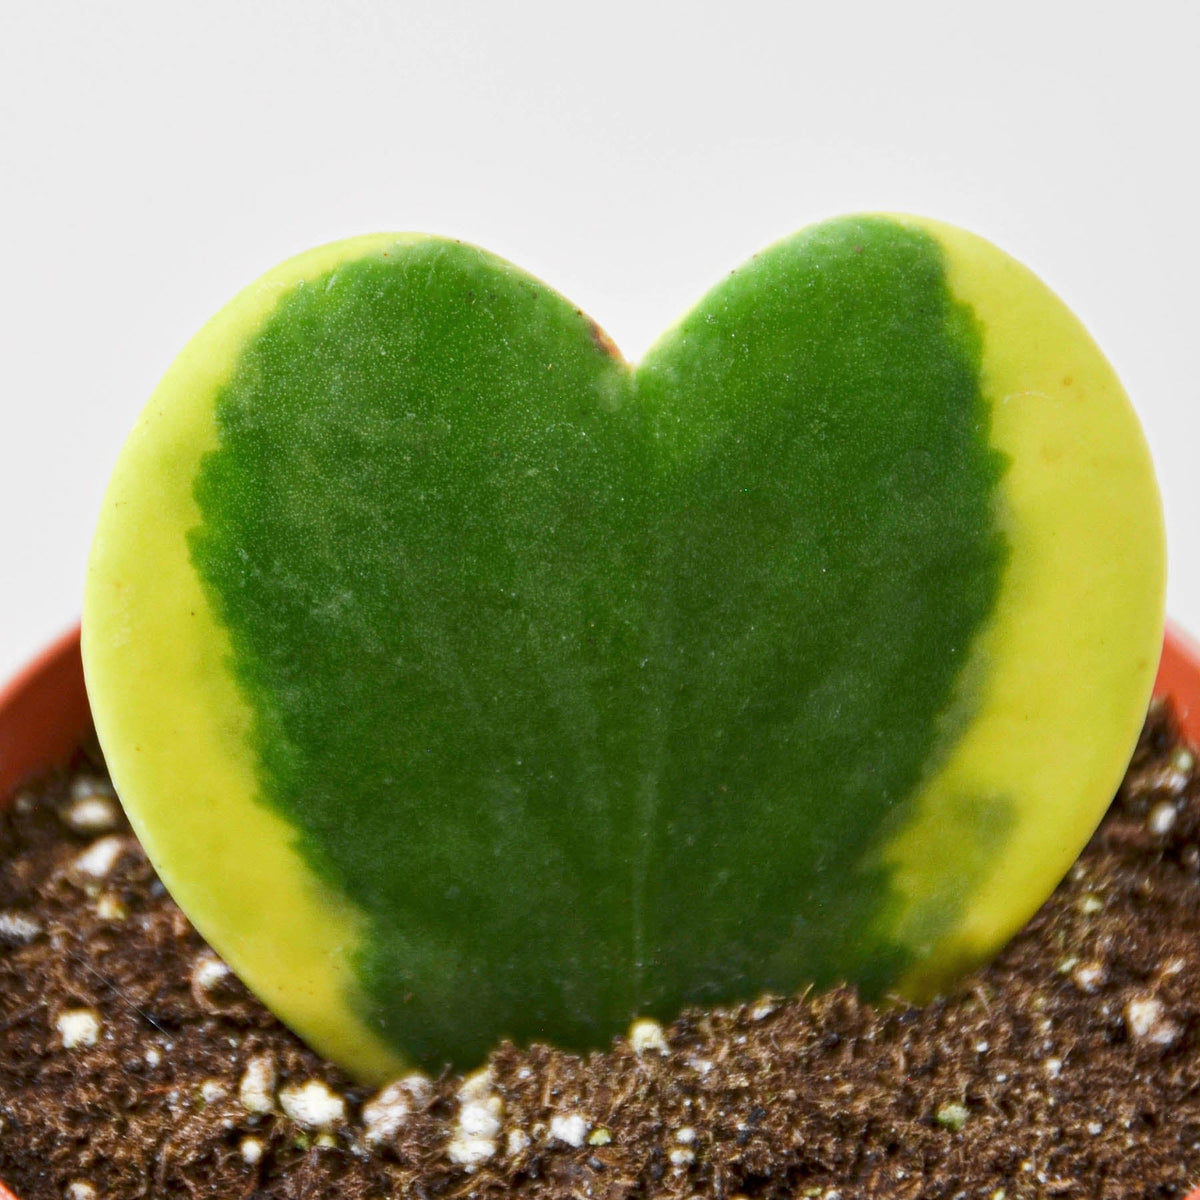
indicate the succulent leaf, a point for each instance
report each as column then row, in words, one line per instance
column 464, row 681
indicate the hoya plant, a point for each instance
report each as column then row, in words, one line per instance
column 466, row 681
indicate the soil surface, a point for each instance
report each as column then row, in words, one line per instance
column 132, row 1064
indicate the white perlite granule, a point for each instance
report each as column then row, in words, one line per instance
column 570, row 1129
column 257, row 1088
column 477, row 1086
column 388, row 1109
column 78, row 1027
column 99, row 858
column 80, row 1189
column 313, row 1103
column 646, row 1035
column 1171, row 780
column 479, row 1121
column 952, row 1115
column 469, row 1152
column 1088, row 976
column 92, row 814
column 1162, row 817
column 1146, row 1020
column 1182, row 760
column 83, row 787
column 208, row 972
column 110, row 908
column 17, row 929
column 252, row 1150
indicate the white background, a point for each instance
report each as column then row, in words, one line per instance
column 155, row 157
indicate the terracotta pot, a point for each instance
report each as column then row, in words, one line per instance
column 44, row 713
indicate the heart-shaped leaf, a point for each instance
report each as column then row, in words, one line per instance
column 464, row 681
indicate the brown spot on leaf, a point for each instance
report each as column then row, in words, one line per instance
column 601, row 338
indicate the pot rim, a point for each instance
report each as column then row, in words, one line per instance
column 44, row 714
